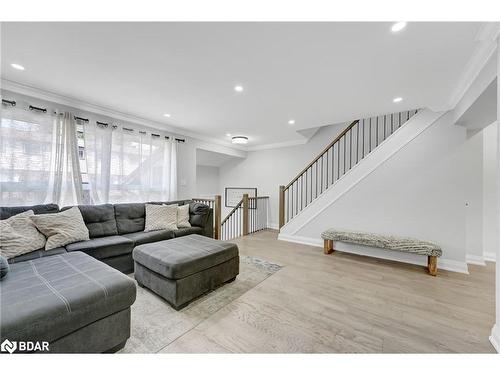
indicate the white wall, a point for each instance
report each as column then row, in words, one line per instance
column 495, row 331
column 473, row 181
column 490, row 191
column 418, row 192
column 207, row 181
column 186, row 164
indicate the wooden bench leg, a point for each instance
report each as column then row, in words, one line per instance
column 328, row 246
column 432, row 265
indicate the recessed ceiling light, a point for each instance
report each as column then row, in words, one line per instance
column 166, row 114
column 228, row 134
column 291, row 122
column 238, row 88
column 397, row 100
column 17, row 66
column 398, row 26
column 241, row 140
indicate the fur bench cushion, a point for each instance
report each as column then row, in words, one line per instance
column 396, row 243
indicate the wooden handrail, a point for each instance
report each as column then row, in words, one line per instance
column 344, row 132
column 232, row 211
column 262, row 197
column 217, row 216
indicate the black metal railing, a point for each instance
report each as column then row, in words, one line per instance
column 355, row 142
column 250, row 215
column 232, row 225
column 257, row 214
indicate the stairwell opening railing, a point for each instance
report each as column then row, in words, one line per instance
column 350, row 147
column 250, row 215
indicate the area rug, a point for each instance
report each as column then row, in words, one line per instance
column 155, row 324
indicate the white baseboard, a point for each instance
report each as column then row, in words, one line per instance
column 444, row 264
column 273, row 226
column 475, row 259
column 490, row 257
column 495, row 337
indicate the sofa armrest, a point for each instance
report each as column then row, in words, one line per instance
column 201, row 215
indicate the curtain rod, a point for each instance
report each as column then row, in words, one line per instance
column 104, row 124
column 9, row 102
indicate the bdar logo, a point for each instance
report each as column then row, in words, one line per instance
column 8, row 346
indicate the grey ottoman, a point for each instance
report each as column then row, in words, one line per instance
column 184, row 268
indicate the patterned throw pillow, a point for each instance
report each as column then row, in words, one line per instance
column 19, row 236
column 160, row 217
column 183, row 216
column 62, row 228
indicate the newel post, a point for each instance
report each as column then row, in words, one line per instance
column 245, row 214
column 217, row 217
column 281, row 220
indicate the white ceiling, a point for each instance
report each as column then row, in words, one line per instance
column 315, row 73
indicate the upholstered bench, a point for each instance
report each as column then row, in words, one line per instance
column 184, row 268
column 403, row 244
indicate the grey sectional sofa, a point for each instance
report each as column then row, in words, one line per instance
column 69, row 296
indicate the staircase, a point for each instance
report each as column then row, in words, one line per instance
column 344, row 153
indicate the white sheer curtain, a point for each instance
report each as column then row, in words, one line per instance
column 97, row 146
column 65, row 183
column 25, row 156
column 143, row 167
column 38, row 158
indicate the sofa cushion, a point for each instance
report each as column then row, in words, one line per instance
column 103, row 247
column 140, row 238
column 18, row 235
column 62, row 228
column 99, row 219
column 187, row 231
column 160, row 217
column 184, row 256
column 130, row 217
column 40, row 253
column 4, row 267
column 198, row 214
column 48, row 298
column 6, row 212
column 183, row 216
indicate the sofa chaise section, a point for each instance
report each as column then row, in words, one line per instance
column 71, row 300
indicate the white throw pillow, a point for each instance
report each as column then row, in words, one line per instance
column 160, row 217
column 18, row 235
column 183, row 216
column 62, row 228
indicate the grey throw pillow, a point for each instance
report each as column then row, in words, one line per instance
column 62, row 228
column 18, row 235
column 4, row 267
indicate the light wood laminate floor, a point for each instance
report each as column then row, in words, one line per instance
column 347, row 303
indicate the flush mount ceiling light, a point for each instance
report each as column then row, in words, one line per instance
column 291, row 122
column 166, row 114
column 397, row 100
column 239, row 140
column 238, row 88
column 17, row 66
column 398, row 26
column 228, row 134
